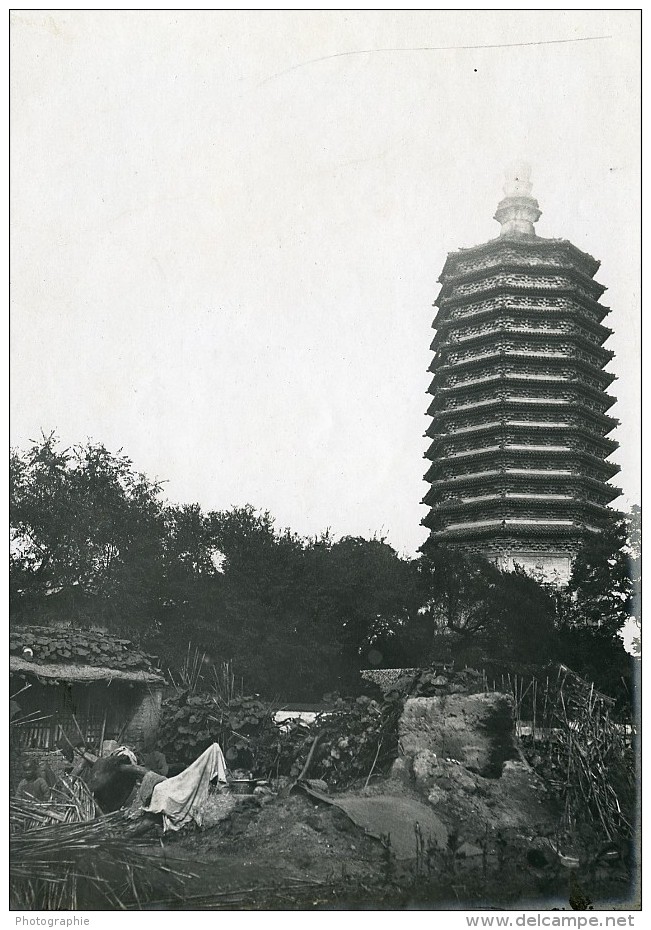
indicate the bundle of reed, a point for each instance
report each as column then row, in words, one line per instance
column 583, row 753
column 73, row 793
column 91, row 865
column 595, row 755
column 70, row 802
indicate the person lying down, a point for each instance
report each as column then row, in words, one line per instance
column 181, row 799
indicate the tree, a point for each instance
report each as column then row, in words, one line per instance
column 604, row 584
column 370, row 592
column 92, row 542
column 299, row 616
column 87, row 535
column 457, row 588
column 634, row 552
column 478, row 612
column 190, row 596
column 602, row 598
column 262, row 617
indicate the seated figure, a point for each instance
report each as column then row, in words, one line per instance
column 32, row 787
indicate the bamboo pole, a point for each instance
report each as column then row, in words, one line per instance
column 102, row 732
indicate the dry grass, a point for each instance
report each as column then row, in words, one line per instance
column 58, row 671
column 71, row 802
column 585, row 755
column 94, row 864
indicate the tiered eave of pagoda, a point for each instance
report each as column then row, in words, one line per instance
column 520, row 430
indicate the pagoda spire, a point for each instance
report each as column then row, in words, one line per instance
column 518, row 211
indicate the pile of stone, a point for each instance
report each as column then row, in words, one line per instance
column 459, row 750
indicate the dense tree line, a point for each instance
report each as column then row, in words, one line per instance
column 93, row 542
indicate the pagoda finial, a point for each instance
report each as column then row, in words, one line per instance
column 518, row 211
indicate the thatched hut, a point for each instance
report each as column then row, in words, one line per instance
column 82, row 680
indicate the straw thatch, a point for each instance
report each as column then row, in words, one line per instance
column 71, row 801
column 585, row 755
column 92, row 865
column 83, row 673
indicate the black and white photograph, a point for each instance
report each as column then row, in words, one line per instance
column 325, row 379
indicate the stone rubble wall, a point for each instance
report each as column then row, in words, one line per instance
column 460, row 752
column 475, row 730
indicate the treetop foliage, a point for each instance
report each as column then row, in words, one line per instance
column 94, row 543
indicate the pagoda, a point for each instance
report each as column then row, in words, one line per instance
column 519, row 431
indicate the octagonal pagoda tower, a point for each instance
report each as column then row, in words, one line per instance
column 519, row 429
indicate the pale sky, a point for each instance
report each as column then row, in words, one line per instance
column 227, row 233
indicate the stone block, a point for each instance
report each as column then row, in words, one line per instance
column 318, row 784
column 475, row 730
column 424, row 766
column 401, row 770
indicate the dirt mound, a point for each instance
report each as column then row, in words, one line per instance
column 297, row 853
column 296, row 837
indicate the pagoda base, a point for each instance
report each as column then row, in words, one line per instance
column 547, row 563
column 548, row 567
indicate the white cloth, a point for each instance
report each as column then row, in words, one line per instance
column 125, row 751
column 182, row 798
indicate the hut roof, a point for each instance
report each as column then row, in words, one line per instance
column 82, row 673
column 79, row 655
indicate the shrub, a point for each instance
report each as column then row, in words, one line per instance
column 190, row 722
